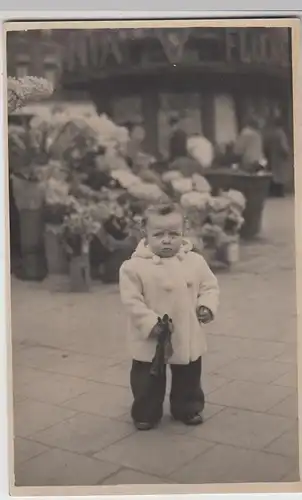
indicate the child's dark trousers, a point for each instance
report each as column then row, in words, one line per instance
column 186, row 396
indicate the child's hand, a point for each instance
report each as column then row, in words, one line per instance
column 204, row 315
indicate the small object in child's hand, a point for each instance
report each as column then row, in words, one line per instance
column 204, row 315
column 164, row 349
column 157, row 330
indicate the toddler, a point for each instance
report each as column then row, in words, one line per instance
column 164, row 276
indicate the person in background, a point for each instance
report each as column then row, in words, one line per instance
column 249, row 146
column 277, row 152
column 138, row 160
column 178, row 140
column 135, row 146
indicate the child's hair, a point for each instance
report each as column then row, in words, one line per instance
column 163, row 209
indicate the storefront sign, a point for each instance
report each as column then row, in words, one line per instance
column 257, row 46
column 246, row 46
column 173, row 42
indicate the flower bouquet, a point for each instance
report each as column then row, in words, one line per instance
column 76, row 136
column 219, row 209
column 77, row 232
column 58, row 202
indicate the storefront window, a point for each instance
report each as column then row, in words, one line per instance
column 50, row 74
column 21, row 70
column 127, row 110
column 187, row 107
column 261, row 107
column 226, row 127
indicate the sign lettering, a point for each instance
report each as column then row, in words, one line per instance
column 256, row 46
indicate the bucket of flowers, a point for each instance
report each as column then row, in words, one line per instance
column 77, row 232
column 214, row 239
column 26, row 188
column 221, row 231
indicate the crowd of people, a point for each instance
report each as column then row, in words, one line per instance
column 257, row 147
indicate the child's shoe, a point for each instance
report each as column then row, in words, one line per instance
column 196, row 419
column 143, row 426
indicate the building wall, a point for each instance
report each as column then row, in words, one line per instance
column 130, row 75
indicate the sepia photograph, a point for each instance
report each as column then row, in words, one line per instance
column 151, row 208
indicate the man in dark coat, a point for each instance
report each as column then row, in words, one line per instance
column 277, row 152
column 178, row 140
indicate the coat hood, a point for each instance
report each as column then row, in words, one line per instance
column 143, row 251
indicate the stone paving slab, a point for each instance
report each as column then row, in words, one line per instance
column 57, row 388
column 249, row 395
column 289, row 379
column 83, row 433
column 287, row 408
column 286, row 444
column 25, row 449
column 107, row 401
column 244, row 429
column 32, row 416
column 130, row 476
column 254, row 370
column 155, row 453
column 226, row 464
column 62, row 468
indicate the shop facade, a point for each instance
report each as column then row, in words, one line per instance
column 211, row 77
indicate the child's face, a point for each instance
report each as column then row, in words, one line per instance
column 164, row 234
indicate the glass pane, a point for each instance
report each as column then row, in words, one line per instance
column 21, row 71
column 262, row 107
column 127, row 109
column 50, row 75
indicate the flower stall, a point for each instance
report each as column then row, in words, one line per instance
column 91, row 201
column 73, row 170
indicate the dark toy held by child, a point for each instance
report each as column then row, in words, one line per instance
column 164, row 346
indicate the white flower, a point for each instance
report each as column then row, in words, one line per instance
column 200, row 184
column 182, row 185
column 201, row 150
column 194, row 199
column 236, row 198
column 23, row 90
column 145, row 191
column 171, row 175
column 125, row 178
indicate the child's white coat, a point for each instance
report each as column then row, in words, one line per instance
column 151, row 286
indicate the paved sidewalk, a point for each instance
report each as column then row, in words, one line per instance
column 71, row 376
